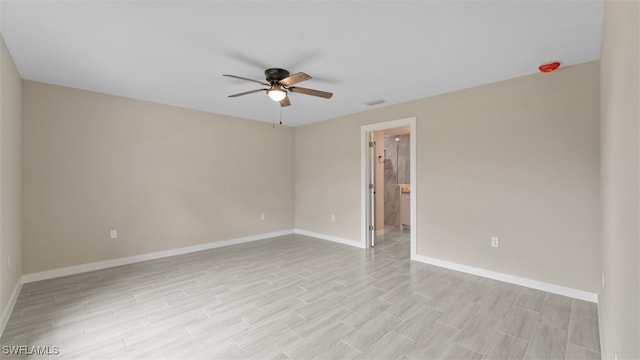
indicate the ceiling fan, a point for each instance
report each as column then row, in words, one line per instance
column 279, row 83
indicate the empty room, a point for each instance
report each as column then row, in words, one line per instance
column 320, row 179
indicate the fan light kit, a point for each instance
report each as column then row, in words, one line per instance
column 279, row 84
column 276, row 94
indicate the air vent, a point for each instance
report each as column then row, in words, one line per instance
column 374, row 102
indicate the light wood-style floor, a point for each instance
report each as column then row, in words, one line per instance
column 296, row 297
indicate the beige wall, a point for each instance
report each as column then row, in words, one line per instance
column 164, row 177
column 620, row 114
column 516, row 159
column 10, row 177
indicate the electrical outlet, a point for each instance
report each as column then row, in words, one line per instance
column 262, row 216
column 615, row 356
column 113, row 234
column 603, row 280
column 495, row 242
column 333, row 217
column 8, row 262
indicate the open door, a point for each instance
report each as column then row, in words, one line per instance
column 368, row 165
column 372, row 191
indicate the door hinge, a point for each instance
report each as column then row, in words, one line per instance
column 370, row 186
column 370, row 227
column 372, row 144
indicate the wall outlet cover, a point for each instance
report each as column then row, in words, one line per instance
column 495, row 242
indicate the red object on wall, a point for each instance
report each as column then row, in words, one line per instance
column 549, row 67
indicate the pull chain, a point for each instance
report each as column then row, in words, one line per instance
column 279, row 115
column 273, row 123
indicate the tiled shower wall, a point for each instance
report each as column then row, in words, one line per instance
column 396, row 171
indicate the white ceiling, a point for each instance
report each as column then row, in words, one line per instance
column 175, row 52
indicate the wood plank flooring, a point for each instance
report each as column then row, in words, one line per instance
column 295, row 297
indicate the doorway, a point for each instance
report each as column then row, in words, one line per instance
column 401, row 182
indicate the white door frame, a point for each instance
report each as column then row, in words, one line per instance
column 365, row 207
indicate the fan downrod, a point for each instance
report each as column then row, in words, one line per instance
column 274, row 75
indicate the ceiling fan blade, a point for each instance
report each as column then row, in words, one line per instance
column 322, row 94
column 294, row 79
column 247, row 92
column 285, row 102
column 244, row 78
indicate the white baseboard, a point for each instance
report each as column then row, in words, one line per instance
column 555, row 289
column 12, row 302
column 71, row 270
column 330, row 238
column 534, row 284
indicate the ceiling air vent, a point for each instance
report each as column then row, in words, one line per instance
column 374, row 102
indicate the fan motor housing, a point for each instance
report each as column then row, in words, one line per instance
column 274, row 75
